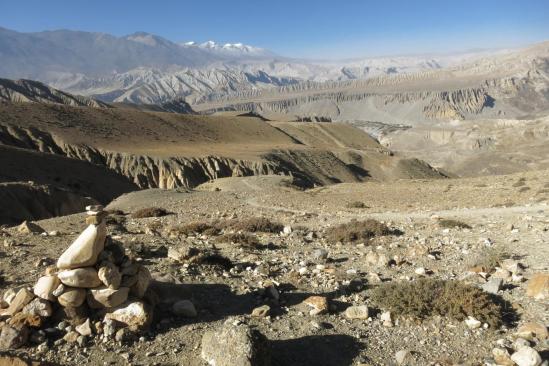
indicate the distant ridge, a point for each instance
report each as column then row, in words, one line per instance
column 30, row 91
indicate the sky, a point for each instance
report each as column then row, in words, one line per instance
column 306, row 28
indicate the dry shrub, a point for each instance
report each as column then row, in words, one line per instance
column 255, row 224
column 356, row 204
column 196, row 228
column 242, row 239
column 149, row 212
column 428, row 297
column 451, row 224
column 357, row 230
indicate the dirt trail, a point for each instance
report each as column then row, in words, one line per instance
column 457, row 213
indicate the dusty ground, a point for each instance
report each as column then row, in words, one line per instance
column 490, row 205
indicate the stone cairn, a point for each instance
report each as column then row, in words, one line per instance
column 94, row 285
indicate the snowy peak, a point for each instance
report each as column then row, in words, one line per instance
column 235, row 49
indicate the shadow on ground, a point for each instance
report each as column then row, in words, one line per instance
column 326, row 350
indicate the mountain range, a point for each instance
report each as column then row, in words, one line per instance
column 145, row 68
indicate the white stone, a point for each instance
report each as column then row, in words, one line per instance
column 136, row 315
column 526, row 356
column 84, row 328
column 402, row 357
column 107, row 297
column 83, row 252
column 80, row 277
column 38, row 307
column 45, row 286
column 110, row 275
column 472, row 323
column 22, row 298
column 72, row 297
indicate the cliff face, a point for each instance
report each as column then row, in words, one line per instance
column 144, row 171
column 310, row 167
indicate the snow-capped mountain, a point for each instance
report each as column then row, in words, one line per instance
column 230, row 49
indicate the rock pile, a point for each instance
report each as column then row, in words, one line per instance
column 93, row 280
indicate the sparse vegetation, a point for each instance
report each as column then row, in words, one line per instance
column 357, row 230
column 255, row 224
column 452, row 224
column 427, row 297
column 241, row 239
column 356, row 204
column 149, row 212
column 195, row 228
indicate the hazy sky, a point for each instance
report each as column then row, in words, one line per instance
column 307, row 28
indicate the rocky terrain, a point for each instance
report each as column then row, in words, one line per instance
column 286, row 291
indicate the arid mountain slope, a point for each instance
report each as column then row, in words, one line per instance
column 481, row 147
column 34, row 91
column 512, row 85
column 168, row 150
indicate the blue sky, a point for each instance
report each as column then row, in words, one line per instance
column 319, row 28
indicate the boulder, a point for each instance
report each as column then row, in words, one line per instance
column 136, row 315
column 45, row 286
column 22, row 298
column 80, row 277
column 83, row 252
column 526, row 356
column 39, row 307
column 184, row 308
column 357, row 312
column 538, row 286
column 493, row 285
column 319, row 304
column 532, row 330
column 235, row 345
column 72, row 297
column 502, row 357
column 142, row 283
column 261, row 311
column 29, row 228
column 84, row 328
column 110, row 275
column 104, row 297
column 12, row 337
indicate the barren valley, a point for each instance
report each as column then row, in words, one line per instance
column 220, row 205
